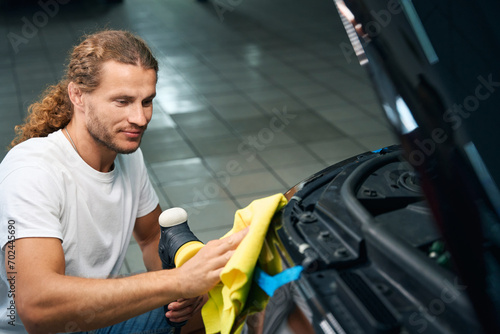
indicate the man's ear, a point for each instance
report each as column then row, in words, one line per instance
column 75, row 95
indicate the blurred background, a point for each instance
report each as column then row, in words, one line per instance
column 252, row 97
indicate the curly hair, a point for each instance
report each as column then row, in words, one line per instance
column 54, row 110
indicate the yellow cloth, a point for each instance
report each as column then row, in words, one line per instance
column 237, row 296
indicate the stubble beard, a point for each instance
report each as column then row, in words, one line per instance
column 103, row 136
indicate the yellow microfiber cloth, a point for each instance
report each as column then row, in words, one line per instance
column 237, row 296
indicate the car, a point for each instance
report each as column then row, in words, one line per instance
column 406, row 239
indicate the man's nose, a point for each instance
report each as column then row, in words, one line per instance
column 139, row 115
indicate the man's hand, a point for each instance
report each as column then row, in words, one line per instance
column 202, row 272
column 183, row 309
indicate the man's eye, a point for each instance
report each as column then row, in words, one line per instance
column 147, row 103
column 122, row 102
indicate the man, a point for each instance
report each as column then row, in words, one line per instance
column 74, row 188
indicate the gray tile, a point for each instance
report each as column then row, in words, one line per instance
column 5, row 140
column 360, row 93
column 176, row 170
column 307, row 89
column 176, row 105
column 226, row 99
column 295, row 173
column 173, row 90
column 172, row 151
column 244, row 201
column 372, row 108
column 213, row 88
column 268, row 95
column 212, row 233
column 214, row 146
column 255, row 183
column 164, row 202
column 7, row 124
column 310, row 127
column 377, row 141
column 287, row 156
column 226, row 166
column 361, row 126
column 134, row 260
column 9, row 107
column 203, row 78
column 194, row 191
column 333, row 161
column 242, row 74
column 290, row 79
column 40, row 76
column 161, row 136
column 246, row 83
column 341, row 111
column 184, row 60
column 7, row 88
column 210, row 215
column 210, row 131
column 333, row 149
column 160, row 121
column 254, row 142
column 124, row 271
column 313, row 65
column 238, row 111
column 290, row 105
column 228, row 67
column 195, row 71
column 324, row 100
column 300, row 56
column 251, row 124
column 195, row 119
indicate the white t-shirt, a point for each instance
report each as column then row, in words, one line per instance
column 47, row 190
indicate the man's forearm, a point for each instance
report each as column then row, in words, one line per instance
column 80, row 304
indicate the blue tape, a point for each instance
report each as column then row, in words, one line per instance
column 270, row 283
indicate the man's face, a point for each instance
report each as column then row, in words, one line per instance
column 119, row 110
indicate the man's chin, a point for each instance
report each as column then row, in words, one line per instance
column 128, row 150
column 131, row 147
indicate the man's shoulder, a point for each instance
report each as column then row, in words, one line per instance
column 43, row 153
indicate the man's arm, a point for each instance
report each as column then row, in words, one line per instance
column 49, row 301
column 147, row 234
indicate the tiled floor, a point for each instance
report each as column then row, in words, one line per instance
column 253, row 96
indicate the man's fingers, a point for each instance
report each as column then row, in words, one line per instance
column 184, row 302
column 203, row 301
column 183, row 309
column 234, row 239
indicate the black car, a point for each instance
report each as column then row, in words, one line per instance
column 407, row 239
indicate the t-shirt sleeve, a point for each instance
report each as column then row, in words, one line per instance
column 148, row 197
column 30, row 203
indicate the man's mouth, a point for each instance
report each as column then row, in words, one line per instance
column 132, row 133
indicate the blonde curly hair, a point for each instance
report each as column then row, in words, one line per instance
column 54, row 110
